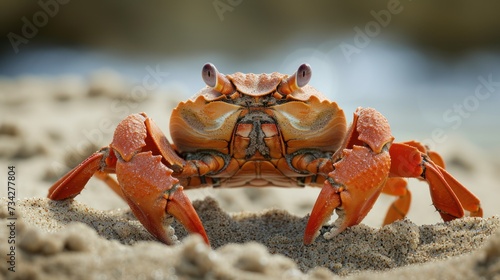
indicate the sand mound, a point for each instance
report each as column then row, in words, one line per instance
column 69, row 239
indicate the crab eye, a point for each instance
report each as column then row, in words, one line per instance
column 216, row 80
column 303, row 74
column 297, row 80
column 209, row 74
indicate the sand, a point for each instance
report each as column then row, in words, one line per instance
column 254, row 233
column 70, row 239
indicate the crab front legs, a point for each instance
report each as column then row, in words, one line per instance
column 143, row 161
column 369, row 163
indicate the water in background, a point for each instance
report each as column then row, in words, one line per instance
column 423, row 96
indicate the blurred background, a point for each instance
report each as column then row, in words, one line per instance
column 411, row 58
column 431, row 67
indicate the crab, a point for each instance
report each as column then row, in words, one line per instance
column 264, row 130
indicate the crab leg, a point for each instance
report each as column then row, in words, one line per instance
column 71, row 184
column 397, row 186
column 112, row 183
column 449, row 196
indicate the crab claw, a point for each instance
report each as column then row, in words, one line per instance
column 152, row 193
column 353, row 187
column 180, row 207
column 328, row 200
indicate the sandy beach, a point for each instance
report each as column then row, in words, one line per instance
column 254, row 233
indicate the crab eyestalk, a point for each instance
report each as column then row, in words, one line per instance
column 214, row 79
column 297, row 80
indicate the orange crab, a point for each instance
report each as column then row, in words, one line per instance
column 265, row 130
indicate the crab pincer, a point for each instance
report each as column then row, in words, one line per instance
column 370, row 164
column 144, row 179
column 360, row 170
column 152, row 193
